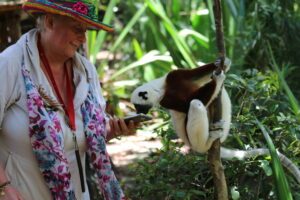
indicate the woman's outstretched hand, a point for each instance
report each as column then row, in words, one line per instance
column 117, row 127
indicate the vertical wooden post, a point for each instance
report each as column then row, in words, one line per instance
column 3, row 32
column 10, row 29
column 13, row 25
column 220, row 186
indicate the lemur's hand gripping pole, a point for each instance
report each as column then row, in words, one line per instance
column 220, row 186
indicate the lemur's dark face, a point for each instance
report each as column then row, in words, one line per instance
column 141, row 101
column 148, row 95
column 142, row 108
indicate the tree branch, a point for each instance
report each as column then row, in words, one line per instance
column 220, row 192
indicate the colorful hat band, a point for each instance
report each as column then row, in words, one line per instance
column 79, row 10
column 80, row 7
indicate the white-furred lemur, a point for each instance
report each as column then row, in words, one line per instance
column 187, row 94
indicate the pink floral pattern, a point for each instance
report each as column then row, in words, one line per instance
column 48, row 145
column 94, row 125
column 81, row 8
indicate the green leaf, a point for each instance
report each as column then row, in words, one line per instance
column 293, row 101
column 102, row 34
column 234, row 193
column 266, row 167
column 152, row 56
column 180, row 194
column 128, row 27
column 137, row 49
column 204, row 41
column 158, row 9
column 149, row 73
column 282, row 186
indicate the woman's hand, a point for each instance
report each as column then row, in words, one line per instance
column 117, row 127
column 11, row 193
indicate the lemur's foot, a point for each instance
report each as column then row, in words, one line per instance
column 227, row 63
column 216, row 130
column 218, row 77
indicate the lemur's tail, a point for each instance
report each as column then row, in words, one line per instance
column 240, row 154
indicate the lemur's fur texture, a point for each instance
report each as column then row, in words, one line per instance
column 187, row 93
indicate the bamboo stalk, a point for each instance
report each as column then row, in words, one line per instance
column 220, row 186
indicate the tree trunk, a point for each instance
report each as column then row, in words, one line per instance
column 10, row 29
column 220, row 186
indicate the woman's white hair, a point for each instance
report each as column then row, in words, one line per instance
column 41, row 19
column 40, row 22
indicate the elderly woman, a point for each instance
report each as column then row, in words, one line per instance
column 52, row 110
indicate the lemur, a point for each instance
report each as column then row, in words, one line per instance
column 187, row 94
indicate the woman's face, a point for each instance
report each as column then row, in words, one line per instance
column 66, row 35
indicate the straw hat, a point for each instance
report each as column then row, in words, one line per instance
column 82, row 10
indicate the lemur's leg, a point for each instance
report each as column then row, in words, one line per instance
column 197, row 127
column 179, row 123
column 221, row 128
column 216, row 130
column 226, row 113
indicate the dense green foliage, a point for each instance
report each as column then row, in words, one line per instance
column 262, row 39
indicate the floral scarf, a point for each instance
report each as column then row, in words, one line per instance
column 47, row 141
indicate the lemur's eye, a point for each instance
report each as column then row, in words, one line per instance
column 143, row 95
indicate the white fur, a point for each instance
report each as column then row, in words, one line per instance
column 197, row 117
column 219, row 79
column 197, row 129
column 178, row 121
column 200, row 139
column 155, row 90
column 226, row 113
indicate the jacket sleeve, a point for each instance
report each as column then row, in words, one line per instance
column 8, row 83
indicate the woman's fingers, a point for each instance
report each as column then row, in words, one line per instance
column 127, row 129
column 123, row 125
column 116, row 126
column 132, row 128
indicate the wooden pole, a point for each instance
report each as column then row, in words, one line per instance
column 10, row 30
column 219, row 32
column 220, row 186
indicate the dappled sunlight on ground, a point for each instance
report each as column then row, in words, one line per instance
column 125, row 150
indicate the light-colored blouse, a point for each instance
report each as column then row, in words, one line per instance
column 16, row 155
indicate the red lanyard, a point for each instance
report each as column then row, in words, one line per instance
column 69, row 108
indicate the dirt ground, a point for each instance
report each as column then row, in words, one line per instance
column 125, row 150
